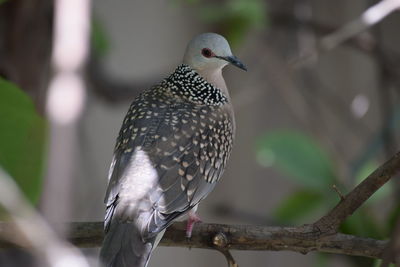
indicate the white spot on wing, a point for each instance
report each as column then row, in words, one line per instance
column 141, row 174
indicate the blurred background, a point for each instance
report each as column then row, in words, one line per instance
column 307, row 118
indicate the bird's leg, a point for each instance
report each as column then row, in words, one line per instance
column 193, row 218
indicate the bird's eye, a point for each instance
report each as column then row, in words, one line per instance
column 207, row 52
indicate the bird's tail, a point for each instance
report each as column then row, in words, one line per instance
column 123, row 246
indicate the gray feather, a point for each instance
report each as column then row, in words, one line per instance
column 124, row 247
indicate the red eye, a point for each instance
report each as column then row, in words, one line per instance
column 207, row 52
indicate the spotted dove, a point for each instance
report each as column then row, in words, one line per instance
column 172, row 148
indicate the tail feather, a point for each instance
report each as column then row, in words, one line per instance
column 123, row 247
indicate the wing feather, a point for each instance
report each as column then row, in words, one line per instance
column 180, row 147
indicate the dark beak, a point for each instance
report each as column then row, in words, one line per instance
column 234, row 61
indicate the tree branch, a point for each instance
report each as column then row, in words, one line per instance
column 362, row 42
column 321, row 236
column 353, row 200
column 367, row 19
column 301, row 239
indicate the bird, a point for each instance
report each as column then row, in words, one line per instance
column 171, row 151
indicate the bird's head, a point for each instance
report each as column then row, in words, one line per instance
column 210, row 51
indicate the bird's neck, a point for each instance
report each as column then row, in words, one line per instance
column 214, row 76
column 187, row 83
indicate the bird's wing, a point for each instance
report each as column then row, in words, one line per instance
column 187, row 147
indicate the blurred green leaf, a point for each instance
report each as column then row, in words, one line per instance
column 364, row 172
column 393, row 217
column 3, row 1
column 378, row 262
column 362, row 223
column 252, row 10
column 298, row 156
column 100, row 40
column 192, row 1
column 233, row 18
column 322, row 259
column 22, row 139
column 298, row 206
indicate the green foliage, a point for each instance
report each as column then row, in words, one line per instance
column 22, row 139
column 298, row 205
column 3, row 1
column 362, row 223
column 99, row 38
column 233, row 17
column 322, row 260
column 378, row 263
column 298, row 156
column 302, row 160
column 192, row 1
column 236, row 17
column 393, row 217
column 363, row 173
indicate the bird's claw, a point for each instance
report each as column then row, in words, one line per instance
column 192, row 220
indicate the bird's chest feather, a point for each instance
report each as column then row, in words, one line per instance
column 179, row 133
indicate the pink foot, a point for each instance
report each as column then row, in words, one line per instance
column 193, row 218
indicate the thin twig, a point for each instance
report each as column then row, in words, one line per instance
column 220, row 241
column 370, row 17
column 338, row 192
column 229, row 258
column 364, row 43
